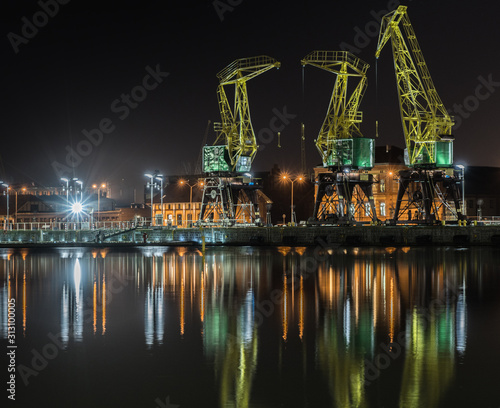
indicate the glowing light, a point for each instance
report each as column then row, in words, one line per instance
column 77, row 207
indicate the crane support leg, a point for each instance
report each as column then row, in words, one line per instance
column 334, row 197
column 422, row 187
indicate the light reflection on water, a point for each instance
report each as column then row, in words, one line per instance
column 343, row 327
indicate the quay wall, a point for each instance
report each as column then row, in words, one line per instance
column 290, row 236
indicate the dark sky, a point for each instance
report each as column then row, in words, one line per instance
column 71, row 74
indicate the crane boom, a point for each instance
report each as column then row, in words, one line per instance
column 426, row 122
column 235, row 129
column 343, row 116
column 341, row 192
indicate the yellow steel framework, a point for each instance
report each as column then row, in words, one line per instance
column 424, row 117
column 343, row 117
column 235, row 129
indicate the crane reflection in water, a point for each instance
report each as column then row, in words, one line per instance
column 268, row 325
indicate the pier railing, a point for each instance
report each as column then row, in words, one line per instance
column 74, row 226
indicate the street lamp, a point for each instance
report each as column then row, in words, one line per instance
column 464, row 208
column 81, row 189
column 67, row 188
column 15, row 191
column 184, row 182
column 151, row 185
column 298, row 178
column 160, row 177
column 94, row 186
column 7, row 187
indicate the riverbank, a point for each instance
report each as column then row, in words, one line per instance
column 376, row 235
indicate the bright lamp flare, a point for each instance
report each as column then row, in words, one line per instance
column 77, row 207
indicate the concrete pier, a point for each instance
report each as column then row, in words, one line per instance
column 273, row 236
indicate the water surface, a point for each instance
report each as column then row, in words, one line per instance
column 255, row 327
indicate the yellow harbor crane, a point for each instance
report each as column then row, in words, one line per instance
column 235, row 129
column 341, row 145
column 426, row 122
column 343, row 116
column 426, row 125
column 231, row 194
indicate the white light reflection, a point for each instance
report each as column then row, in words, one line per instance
column 247, row 318
column 461, row 322
column 78, row 324
column 347, row 321
column 149, row 317
column 65, row 315
column 154, row 316
column 160, row 316
column 72, row 311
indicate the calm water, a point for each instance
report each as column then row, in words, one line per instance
column 253, row 327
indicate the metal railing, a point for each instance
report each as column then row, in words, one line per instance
column 73, row 226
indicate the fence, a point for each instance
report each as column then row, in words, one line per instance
column 74, row 226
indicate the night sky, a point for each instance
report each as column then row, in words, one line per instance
column 72, row 74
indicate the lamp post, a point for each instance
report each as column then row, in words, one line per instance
column 67, row 188
column 7, row 188
column 160, row 177
column 94, row 186
column 15, row 213
column 464, row 208
column 298, row 178
column 183, row 182
column 151, row 185
column 81, row 189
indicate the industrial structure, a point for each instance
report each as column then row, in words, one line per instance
column 347, row 185
column 230, row 194
column 431, row 183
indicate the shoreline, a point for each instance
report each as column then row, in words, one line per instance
column 365, row 235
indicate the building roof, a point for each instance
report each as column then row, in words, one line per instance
column 389, row 154
column 176, row 193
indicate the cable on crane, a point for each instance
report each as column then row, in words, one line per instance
column 376, row 97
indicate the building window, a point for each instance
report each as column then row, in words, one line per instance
column 179, row 219
column 382, row 209
column 367, row 210
column 382, row 186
